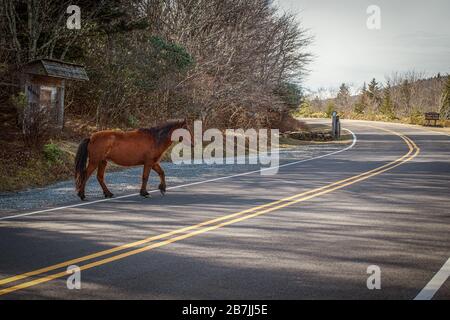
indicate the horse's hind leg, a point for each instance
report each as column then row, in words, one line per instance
column 89, row 170
column 101, row 178
column 145, row 175
column 162, row 177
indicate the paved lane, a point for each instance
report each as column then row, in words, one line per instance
column 396, row 217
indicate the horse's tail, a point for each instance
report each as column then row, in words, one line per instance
column 80, row 163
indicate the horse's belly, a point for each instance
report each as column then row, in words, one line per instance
column 126, row 163
column 126, row 160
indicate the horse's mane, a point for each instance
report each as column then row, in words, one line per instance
column 162, row 131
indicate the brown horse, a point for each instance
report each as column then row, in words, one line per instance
column 139, row 147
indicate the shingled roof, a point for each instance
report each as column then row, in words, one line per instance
column 57, row 69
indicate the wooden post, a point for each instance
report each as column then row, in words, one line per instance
column 60, row 105
column 333, row 124
column 338, row 128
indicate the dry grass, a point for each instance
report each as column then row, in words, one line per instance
column 417, row 119
column 25, row 169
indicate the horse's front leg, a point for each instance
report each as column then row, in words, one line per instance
column 101, row 178
column 162, row 178
column 145, row 174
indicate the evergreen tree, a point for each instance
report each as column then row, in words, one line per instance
column 344, row 91
column 445, row 104
column 343, row 96
column 291, row 94
column 373, row 92
column 405, row 90
column 361, row 105
column 387, row 106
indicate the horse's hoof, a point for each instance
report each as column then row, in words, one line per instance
column 162, row 189
column 145, row 194
column 108, row 194
column 82, row 196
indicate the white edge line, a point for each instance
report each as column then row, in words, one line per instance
column 433, row 286
column 435, row 283
column 186, row 185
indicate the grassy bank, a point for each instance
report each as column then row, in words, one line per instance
column 22, row 169
column 23, row 166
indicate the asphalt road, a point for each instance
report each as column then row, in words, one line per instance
column 309, row 232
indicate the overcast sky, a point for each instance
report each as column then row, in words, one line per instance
column 414, row 35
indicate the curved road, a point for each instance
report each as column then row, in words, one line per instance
column 309, row 232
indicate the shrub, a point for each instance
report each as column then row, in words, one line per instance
column 330, row 108
column 304, row 110
column 36, row 128
column 19, row 102
column 319, row 115
column 416, row 117
column 52, row 153
column 132, row 121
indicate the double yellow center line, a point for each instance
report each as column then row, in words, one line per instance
column 44, row 274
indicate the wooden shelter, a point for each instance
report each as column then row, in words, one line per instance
column 44, row 85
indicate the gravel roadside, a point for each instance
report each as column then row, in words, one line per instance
column 127, row 181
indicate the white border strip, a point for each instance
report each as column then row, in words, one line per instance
column 185, row 185
column 435, row 283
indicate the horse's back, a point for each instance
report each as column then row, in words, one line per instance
column 127, row 148
column 115, row 135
